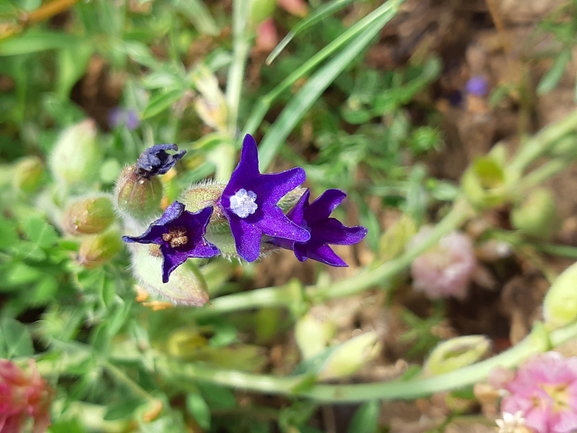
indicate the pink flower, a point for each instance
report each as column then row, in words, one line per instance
column 445, row 269
column 23, row 395
column 544, row 392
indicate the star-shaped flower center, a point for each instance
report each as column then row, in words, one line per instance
column 243, row 203
column 180, row 235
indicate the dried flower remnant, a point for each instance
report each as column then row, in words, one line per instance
column 250, row 203
column 445, row 269
column 315, row 218
column 543, row 392
column 156, row 160
column 23, row 395
column 180, row 235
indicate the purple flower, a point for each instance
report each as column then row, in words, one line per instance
column 543, row 392
column 121, row 116
column 477, row 86
column 323, row 230
column 155, row 160
column 180, row 235
column 249, row 202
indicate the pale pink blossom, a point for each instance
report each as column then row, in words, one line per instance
column 543, row 392
column 266, row 36
column 445, row 269
column 23, row 395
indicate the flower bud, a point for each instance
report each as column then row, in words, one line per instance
column 211, row 105
column 75, row 157
column 445, row 269
column 23, row 395
column 205, row 195
column 186, row 285
column 138, row 196
column 313, row 331
column 560, row 303
column 351, row 356
column 393, row 242
column 484, row 182
column 456, row 353
column 260, row 10
column 535, row 217
column 89, row 215
column 96, row 250
column 28, row 174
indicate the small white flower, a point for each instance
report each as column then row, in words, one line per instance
column 512, row 423
column 243, row 203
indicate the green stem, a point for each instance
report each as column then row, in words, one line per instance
column 460, row 212
column 284, row 296
column 540, row 143
column 241, row 48
column 547, row 170
column 538, row 341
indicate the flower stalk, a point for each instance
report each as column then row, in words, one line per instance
column 538, row 341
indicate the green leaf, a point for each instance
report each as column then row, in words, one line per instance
column 67, row 426
column 366, row 418
column 554, row 74
column 320, row 81
column 217, row 396
column 199, row 409
column 199, row 16
column 161, row 102
column 8, row 235
column 19, row 274
column 32, row 42
column 39, row 231
column 15, row 339
column 72, row 63
column 123, row 408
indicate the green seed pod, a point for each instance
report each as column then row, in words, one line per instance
column 456, row 353
column 75, row 157
column 138, row 196
column 89, row 215
column 484, row 182
column 28, row 174
column 560, row 303
column 351, row 356
column 96, row 250
column 536, row 216
column 186, row 285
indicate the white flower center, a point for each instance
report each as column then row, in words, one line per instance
column 243, row 203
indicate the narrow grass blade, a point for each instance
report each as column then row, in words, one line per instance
column 318, row 83
column 262, row 106
column 313, row 18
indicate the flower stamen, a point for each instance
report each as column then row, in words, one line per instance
column 243, row 203
column 176, row 237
